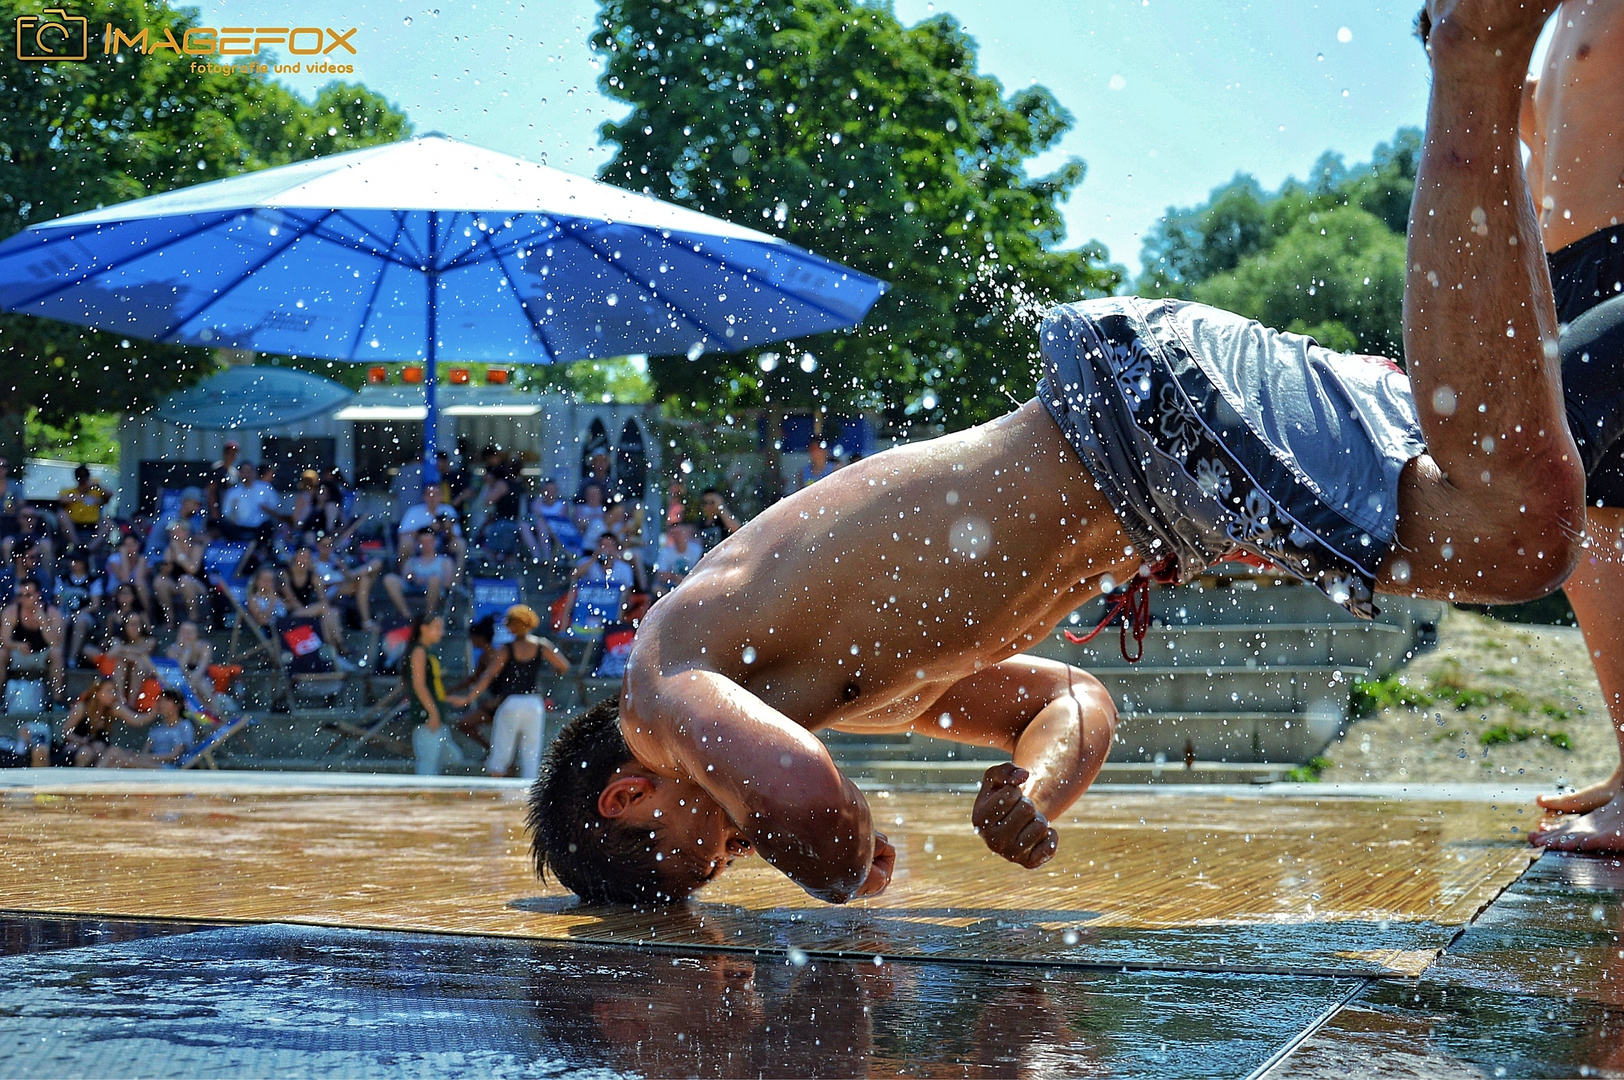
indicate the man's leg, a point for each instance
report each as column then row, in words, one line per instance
column 1495, row 509
column 1594, row 591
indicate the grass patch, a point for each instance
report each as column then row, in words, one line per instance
column 1371, row 697
column 1505, row 733
column 1309, row 772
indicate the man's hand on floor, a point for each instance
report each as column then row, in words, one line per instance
column 1009, row 822
column 879, row 872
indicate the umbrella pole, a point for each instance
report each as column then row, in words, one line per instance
column 431, row 469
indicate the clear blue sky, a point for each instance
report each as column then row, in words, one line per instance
column 1171, row 97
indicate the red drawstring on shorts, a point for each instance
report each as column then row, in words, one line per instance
column 1133, row 605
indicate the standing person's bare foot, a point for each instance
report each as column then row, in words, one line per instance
column 1585, row 799
column 1601, row 830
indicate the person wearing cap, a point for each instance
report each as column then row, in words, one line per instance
column 222, row 477
column 512, row 677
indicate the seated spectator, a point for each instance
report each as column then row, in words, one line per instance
column 193, row 512
column 222, row 478
column 551, row 530
column 676, row 502
column 112, row 615
column 819, row 467
column 131, row 654
column 33, row 639
column 181, row 571
column 599, row 467
column 679, row 554
column 82, row 504
column 251, row 509
column 433, row 515
column 500, row 502
column 264, row 603
column 127, row 566
column 716, row 521
column 348, row 581
column 34, row 532
column 78, row 594
column 168, row 740
column 307, row 520
column 605, row 566
column 454, row 486
column 194, row 656
column 304, row 592
column 588, row 512
column 89, row 728
column 427, row 573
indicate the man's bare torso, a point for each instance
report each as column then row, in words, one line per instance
column 1576, row 167
column 860, row 600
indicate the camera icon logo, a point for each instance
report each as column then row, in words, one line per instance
column 53, row 34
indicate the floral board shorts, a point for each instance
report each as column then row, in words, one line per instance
column 1213, row 436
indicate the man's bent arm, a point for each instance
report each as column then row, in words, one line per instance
column 772, row 776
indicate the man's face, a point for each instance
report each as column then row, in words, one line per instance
column 697, row 840
column 245, row 473
column 711, row 505
column 431, row 495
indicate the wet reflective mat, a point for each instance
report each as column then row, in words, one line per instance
column 1535, row 987
column 1187, row 881
column 280, row 1000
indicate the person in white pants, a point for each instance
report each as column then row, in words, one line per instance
column 511, row 677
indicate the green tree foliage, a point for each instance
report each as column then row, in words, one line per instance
column 78, row 135
column 832, row 125
column 1324, row 258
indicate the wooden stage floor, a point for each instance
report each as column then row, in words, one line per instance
column 1144, row 879
column 1341, row 897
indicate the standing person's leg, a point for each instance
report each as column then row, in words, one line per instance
column 530, row 729
column 1594, row 591
column 1499, row 499
column 505, row 735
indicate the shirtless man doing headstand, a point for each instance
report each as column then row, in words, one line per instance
column 898, row 593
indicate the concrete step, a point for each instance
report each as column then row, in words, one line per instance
column 1277, row 688
column 967, row 774
column 1377, row 646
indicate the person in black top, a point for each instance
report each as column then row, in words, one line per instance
column 513, row 676
column 305, row 593
column 32, row 637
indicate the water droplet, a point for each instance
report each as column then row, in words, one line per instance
column 797, row 957
column 1070, row 937
column 749, row 655
column 1344, row 35
column 1117, row 82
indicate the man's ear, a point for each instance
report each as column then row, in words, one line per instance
column 622, row 793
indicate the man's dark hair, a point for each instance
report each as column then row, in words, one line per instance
column 600, row 860
column 1423, row 26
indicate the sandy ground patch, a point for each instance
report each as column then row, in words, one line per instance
column 1493, row 701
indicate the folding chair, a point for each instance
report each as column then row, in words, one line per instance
column 311, row 674
column 224, row 727
column 368, row 728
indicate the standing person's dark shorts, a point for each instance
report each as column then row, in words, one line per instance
column 1212, row 436
column 1587, row 277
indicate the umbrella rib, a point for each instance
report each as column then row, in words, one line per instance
column 701, row 327
column 244, row 276
column 116, row 264
column 383, row 251
column 792, row 252
column 377, row 283
column 499, row 250
column 524, row 306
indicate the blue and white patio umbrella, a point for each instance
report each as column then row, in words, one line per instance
column 424, row 249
